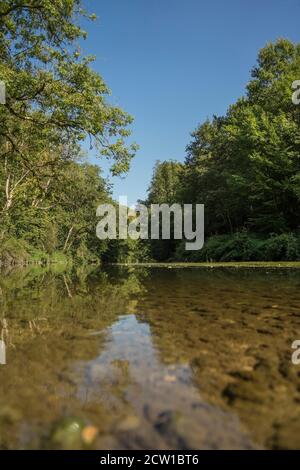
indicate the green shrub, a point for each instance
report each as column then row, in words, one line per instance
column 244, row 246
column 285, row 247
column 14, row 252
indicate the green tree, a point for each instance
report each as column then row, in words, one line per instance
column 245, row 167
column 53, row 94
column 55, row 102
column 164, row 189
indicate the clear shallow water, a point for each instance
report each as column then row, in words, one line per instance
column 150, row 358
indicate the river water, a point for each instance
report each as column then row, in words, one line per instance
column 136, row 358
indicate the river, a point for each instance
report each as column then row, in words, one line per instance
column 149, row 358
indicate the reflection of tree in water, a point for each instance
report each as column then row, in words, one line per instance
column 172, row 348
column 50, row 326
column 154, row 405
column 40, row 300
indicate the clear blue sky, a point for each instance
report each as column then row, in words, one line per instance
column 174, row 63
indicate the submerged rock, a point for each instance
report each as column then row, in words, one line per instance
column 129, row 424
column 89, row 434
column 68, row 434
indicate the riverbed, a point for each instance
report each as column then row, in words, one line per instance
column 144, row 357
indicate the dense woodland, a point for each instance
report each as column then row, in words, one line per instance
column 244, row 166
column 55, row 103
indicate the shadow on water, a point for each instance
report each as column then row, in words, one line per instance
column 149, row 358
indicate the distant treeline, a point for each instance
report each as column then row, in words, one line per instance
column 245, row 168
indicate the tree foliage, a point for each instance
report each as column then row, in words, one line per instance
column 245, row 166
column 55, row 102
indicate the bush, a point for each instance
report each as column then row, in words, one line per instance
column 20, row 253
column 285, row 247
column 244, row 246
column 14, row 252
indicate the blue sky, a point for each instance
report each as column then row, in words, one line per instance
column 174, row 63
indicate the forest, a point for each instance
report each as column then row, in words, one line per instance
column 243, row 166
column 120, row 330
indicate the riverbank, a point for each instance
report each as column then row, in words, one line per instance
column 230, row 264
column 219, row 341
column 19, row 253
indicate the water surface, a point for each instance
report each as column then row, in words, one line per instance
column 149, row 358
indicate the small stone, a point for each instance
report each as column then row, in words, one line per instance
column 129, row 424
column 170, row 378
column 89, row 434
column 67, row 434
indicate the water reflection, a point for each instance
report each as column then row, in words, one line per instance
column 157, row 405
column 151, row 359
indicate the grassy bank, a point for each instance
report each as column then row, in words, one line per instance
column 239, row 265
column 244, row 247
